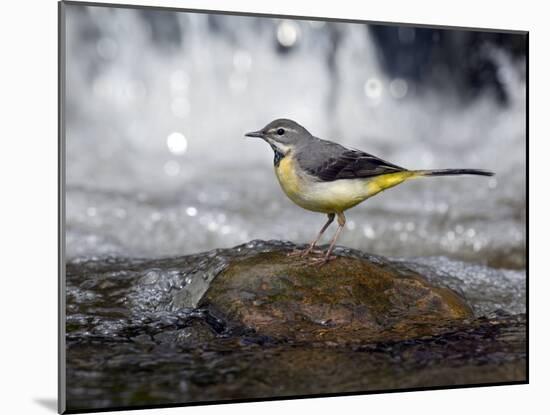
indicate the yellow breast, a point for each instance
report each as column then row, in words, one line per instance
column 326, row 197
column 330, row 197
column 288, row 177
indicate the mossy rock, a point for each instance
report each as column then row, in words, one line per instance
column 346, row 300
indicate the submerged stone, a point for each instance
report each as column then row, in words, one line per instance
column 347, row 300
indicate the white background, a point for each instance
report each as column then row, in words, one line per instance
column 28, row 228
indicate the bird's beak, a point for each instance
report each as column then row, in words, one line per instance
column 258, row 134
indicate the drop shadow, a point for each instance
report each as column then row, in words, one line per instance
column 47, row 403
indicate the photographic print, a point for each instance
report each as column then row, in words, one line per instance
column 261, row 207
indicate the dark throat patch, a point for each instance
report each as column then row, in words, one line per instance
column 278, row 156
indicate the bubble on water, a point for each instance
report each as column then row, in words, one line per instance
column 350, row 224
column 191, row 211
column 91, row 211
column 492, row 183
column 177, row 143
column 287, row 33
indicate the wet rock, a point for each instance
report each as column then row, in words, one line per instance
column 197, row 332
column 269, row 325
column 143, row 339
column 349, row 299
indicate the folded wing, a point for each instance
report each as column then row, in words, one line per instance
column 328, row 161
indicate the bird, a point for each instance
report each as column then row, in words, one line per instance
column 326, row 177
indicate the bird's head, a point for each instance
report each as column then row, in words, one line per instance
column 282, row 134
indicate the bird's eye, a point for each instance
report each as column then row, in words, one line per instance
column 280, row 131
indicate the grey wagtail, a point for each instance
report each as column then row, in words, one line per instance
column 323, row 176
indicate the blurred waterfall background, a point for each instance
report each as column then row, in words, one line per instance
column 157, row 103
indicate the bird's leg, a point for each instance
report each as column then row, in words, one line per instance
column 323, row 229
column 328, row 256
column 310, row 249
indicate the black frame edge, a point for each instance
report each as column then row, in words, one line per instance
column 61, row 364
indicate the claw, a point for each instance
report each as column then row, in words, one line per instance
column 315, row 252
column 305, row 252
column 297, row 252
column 322, row 261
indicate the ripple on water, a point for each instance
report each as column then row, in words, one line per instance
column 488, row 290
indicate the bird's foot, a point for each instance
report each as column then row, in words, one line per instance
column 322, row 261
column 305, row 252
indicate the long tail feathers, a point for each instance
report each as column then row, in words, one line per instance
column 454, row 172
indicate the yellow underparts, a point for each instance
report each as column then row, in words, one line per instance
column 385, row 181
column 335, row 196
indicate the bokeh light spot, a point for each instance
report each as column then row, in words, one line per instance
column 177, row 143
column 398, row 88
column 172, row 168
column 287, row 33
column 373, row 88
column 191, row 211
